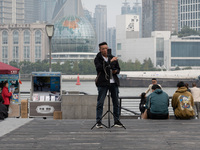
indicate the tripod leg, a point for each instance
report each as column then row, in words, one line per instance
column 117, row 120
column 100, row 120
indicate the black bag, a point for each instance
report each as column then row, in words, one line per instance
column 142, row 103
column 3, row 112
column 1, row 99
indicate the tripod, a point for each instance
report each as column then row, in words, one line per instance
column 108, row 112
column 109, row 75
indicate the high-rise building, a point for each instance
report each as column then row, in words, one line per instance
column 189, row 14
column 47, row 7
column 101, row 23
column 127, row 31
column 135, row 10
column 111, row 39
column 11, row 11
column 65, row 8
column 159, row 15
column 126, row 9
column 32, row 10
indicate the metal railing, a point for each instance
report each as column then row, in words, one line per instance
column 129, row 106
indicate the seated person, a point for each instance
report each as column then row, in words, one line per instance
column 157, row 104
column 142, row 104
column 183, row 103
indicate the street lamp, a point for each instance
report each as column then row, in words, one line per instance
column 50, row 31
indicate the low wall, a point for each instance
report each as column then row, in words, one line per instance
column 80, row 106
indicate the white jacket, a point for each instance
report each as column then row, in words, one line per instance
column 196, row 94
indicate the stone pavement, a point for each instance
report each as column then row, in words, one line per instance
column 51, row 134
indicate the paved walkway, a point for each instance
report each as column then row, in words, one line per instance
column 77, row 135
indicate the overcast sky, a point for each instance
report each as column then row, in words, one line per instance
column 113, row 8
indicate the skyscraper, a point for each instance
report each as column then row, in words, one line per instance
column 32, row 10
column 126, row 9
column 159, row 15
column 189, row 14
column 11, row 11
column 135, row 10
column 111, row 39
column 101, row 23
column 47, row 7
column 66, row 8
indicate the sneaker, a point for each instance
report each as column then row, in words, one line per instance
column 99, row 125
column 118, row 124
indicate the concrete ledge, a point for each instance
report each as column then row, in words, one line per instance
column 80, row 106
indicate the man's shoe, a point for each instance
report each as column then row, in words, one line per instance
column 118, row 124
column 99, row 125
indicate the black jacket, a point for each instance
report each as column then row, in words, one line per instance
column 103, row 71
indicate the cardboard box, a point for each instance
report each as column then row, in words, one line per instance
column 14, row 110
column 24, row 108
column 57, row 115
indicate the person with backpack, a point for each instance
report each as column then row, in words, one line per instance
column 183, row 103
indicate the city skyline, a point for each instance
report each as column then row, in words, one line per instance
column 112, row 11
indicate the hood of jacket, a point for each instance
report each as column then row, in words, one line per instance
column 158, row 91
column 181, row 90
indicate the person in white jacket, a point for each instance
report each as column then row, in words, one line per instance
column 196, row 95
column 154, row 82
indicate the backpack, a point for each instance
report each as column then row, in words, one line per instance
column 142, row 103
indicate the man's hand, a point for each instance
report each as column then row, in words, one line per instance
column 114, row 71
column 113, row 59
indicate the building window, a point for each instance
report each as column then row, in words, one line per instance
column 187, row 62
column 5, row 61
column 38, row 53
column 26, row 37
column 26, row 53
column 185, row 49
column 4, row 37
column 119, row 46
column 15, row 53
column 38, row 37
column 4, row 52
column 15, row 37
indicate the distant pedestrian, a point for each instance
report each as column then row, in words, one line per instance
column 183, row 103
column 196, row 95
column 6, row 95
column 157, row 104
column 153, row 81
column 187, row 86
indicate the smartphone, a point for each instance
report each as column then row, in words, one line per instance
column 109, row 52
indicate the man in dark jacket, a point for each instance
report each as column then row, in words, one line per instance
column 157, row 104
column 107, row 69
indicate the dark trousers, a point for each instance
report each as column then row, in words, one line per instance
column 156, row 116
column 7, row 107
column 102, row 92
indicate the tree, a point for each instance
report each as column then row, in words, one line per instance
column 186, row 31
column 137, row 65
column 14, row 64
column 75, row 69
column 66, row 67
